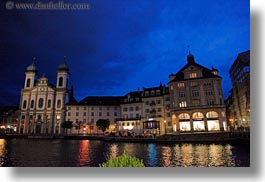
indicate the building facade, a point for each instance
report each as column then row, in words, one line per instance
column 42, row 105
column 156, row 110
column 131, row 114
column 88, row 111
column 239, row 104
column 8, row 119
column 196, row 99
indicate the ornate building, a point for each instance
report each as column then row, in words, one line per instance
column 42, row 105
column 196, row 98
column 238, row 104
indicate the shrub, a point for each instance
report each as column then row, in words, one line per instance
column 123, row 161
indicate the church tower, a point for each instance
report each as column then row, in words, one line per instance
column 62, row 75
column 30, row 76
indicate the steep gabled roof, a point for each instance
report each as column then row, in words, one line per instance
column 207, row 73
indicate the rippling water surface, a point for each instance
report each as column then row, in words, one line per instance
column 68, row 153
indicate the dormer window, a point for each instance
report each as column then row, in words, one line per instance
column 146, row 93
column 193, row 75
column 152, row 93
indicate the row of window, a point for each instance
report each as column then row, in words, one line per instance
column 131, row 109
column 195, row 93
column 209, row 103
column 92, row 114
column 92, row 108
column 198, row 115
column 153, row 93
column 41, row 104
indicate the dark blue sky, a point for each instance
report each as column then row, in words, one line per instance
column 120, row 45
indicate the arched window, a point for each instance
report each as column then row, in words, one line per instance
column 58, row 103
column 197, row 115
column 28, row 82
column 60, row 81
column 49, row 103
column 212, row 114
column 40, row 104
column 32, row 104
column 184, row 116
column 24, row 104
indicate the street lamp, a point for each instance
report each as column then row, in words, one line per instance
column 165, row 126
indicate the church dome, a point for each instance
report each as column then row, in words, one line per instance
column 32, row 68
column 63, row 66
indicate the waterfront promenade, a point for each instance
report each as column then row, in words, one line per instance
column 180, row 137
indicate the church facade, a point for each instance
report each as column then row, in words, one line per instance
column 42, row 105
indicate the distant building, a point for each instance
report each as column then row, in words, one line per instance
column 156, row 110
column 131, row 113
column 42, row 105
column 196, row 98
column 239, row 110
column 87, row 112
column 8, row 118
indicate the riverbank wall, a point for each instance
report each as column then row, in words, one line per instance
column 169, row 138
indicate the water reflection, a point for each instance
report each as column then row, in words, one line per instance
column 3, row 151
column 70, row 153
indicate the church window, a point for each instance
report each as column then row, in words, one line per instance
column 60, row 81
column 28, row 82
column 49, row 103
column 32, row 104
column 58, row 103
column 40, row 104
column 24, row 104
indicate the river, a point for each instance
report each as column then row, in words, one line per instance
column 91, row 153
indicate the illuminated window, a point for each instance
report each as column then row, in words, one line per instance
column 212, row 114
column 193, row 75
column 183, row 104
column 197, row 115
column 181, row 85
column 171, row 87
column 184, row 116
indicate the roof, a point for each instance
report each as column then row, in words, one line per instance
column 207, row 73
column 102, row 100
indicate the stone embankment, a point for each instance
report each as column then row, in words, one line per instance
column 169, row 138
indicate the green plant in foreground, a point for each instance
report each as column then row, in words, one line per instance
column 123, row 161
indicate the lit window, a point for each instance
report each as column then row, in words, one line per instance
column 183, row 104
column 171, row 87
column 181, row 85
column 193, row 75
column 184, row 116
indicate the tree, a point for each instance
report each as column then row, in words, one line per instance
column 67, row 125
column 123, row 161
column 103, row 124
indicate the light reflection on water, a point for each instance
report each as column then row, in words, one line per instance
column 22, row 152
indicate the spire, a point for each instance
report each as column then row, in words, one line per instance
column 190, row 58
column 72, row 99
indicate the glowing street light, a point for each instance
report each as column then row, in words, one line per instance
column 165, row 121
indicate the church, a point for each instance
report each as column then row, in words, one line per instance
column 42, row 104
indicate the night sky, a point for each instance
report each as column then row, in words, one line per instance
column 119, row 45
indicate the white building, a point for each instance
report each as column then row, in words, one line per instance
column 131, row 112
column 42, row 105
column 87, row 112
